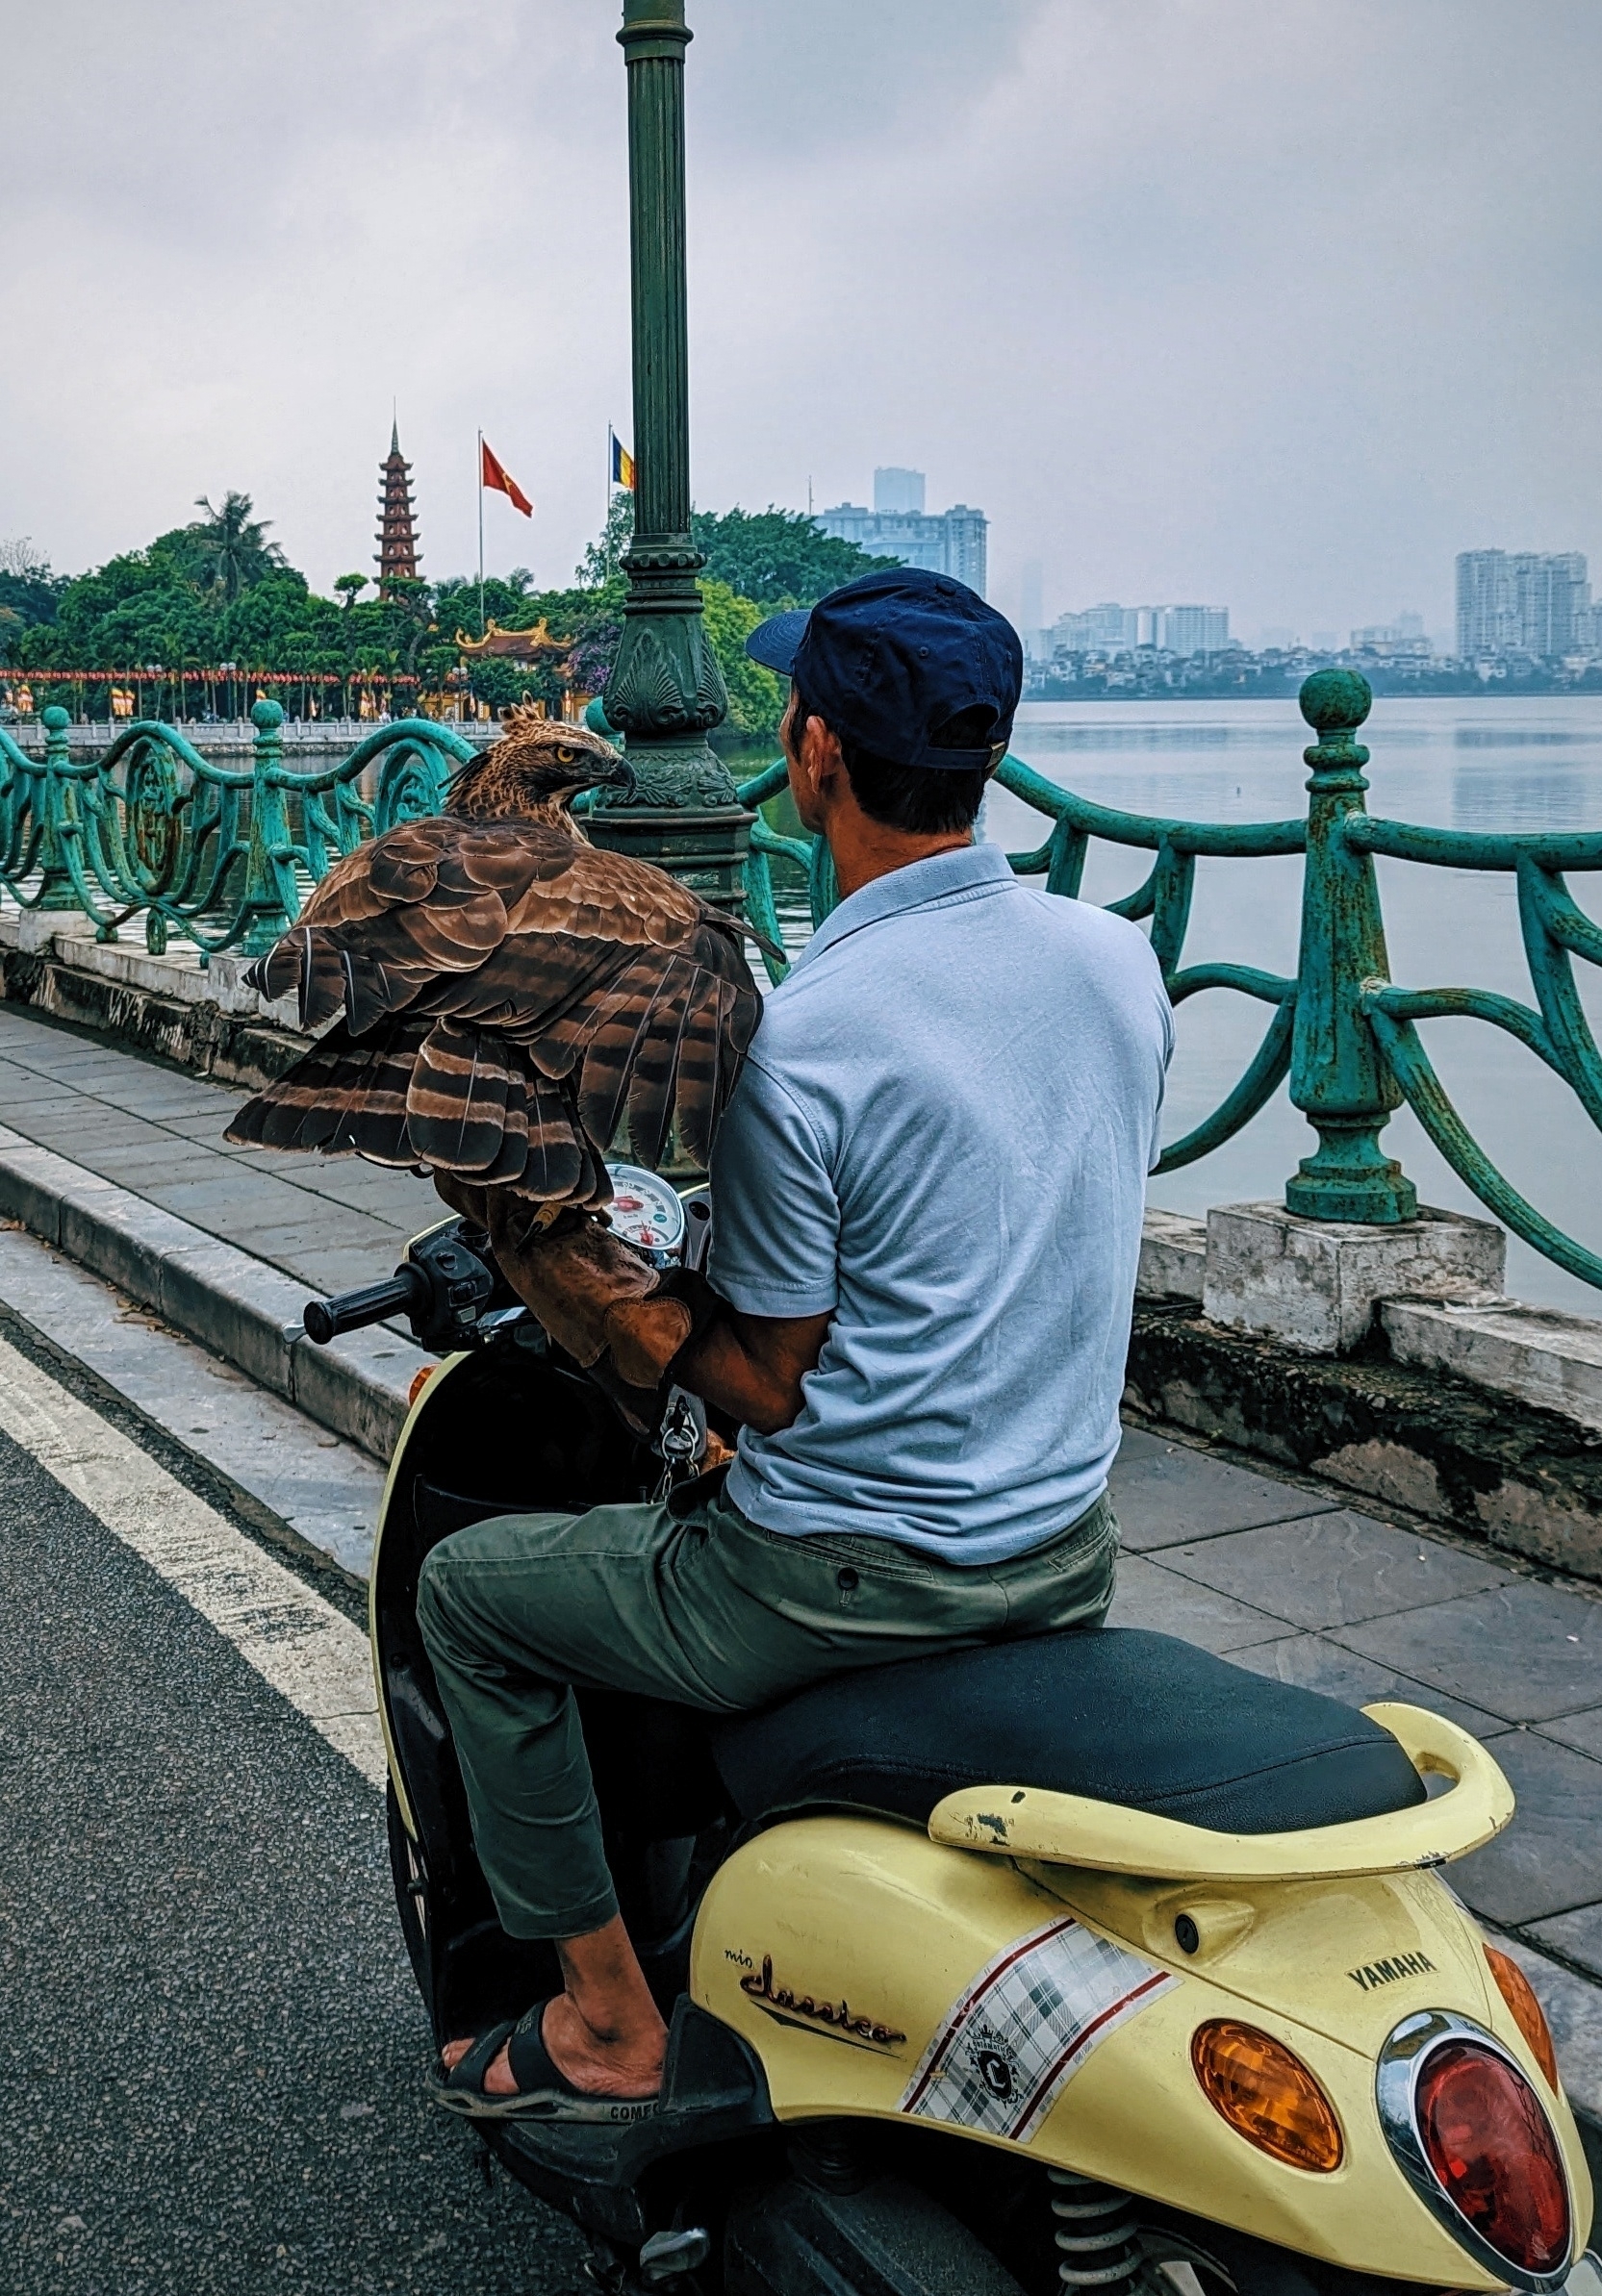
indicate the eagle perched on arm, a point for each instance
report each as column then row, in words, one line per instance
column 502, row 994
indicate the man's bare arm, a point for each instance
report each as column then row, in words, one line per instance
column 753, row 1366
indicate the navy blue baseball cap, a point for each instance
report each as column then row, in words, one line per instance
column 891, row 659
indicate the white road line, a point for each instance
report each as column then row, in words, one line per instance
column 298, row 1643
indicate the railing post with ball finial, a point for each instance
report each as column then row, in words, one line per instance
column 1338, row 1077
column 57, row 798
column 270, row 902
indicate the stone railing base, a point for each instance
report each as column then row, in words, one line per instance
column 204, row 1019
column 1427, row 1292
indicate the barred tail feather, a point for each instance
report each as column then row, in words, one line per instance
column 456, row 1101
column 656, row 1074
column 557, row 1151
column 696, row 1101
column 341, row 1097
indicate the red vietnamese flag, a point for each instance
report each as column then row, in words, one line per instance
column 495, row 475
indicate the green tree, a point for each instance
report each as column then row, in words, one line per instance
column 351, row 587
column 29, row 592
column 756, row 697
column 777, row 557
column 232, row 546
column 601, row 561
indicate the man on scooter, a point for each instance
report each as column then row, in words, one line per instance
column 927, row 1193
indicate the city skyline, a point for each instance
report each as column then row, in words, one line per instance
column 950, row 541
column 1187, row 319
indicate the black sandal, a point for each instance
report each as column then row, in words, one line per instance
column 543, row 2093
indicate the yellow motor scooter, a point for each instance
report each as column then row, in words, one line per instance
column 1085, row 1961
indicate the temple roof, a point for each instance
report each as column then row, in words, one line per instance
column 516, row 645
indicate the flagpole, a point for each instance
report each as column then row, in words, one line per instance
column 480, row 534
column 606, row 513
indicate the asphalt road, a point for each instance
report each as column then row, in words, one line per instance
column 211, row 2051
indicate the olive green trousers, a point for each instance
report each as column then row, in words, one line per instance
column 704, row 1610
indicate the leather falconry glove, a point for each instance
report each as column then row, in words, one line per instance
column 595, row 1295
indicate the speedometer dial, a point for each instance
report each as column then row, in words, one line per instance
column 645, row 1211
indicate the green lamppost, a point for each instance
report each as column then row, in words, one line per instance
column 666, row 691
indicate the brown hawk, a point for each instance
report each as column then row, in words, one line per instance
column 503, row 996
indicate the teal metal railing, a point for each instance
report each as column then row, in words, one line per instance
column 1341, row 1031
column 212, row 852
column 220, row 857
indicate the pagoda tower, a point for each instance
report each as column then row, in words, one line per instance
column 398, row 536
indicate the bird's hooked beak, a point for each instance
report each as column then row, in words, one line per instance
column 618, row 775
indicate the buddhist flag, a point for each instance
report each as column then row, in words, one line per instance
column 496, row 475
column 622, row 464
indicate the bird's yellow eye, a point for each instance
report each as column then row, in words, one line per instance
column 567, row 757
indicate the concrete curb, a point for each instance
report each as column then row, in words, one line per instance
column 238, row 1306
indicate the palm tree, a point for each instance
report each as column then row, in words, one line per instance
column 232, row 545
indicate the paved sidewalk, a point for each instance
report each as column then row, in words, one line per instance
column 1291, row 1581
column 1280, row 1576
column 332, row 1222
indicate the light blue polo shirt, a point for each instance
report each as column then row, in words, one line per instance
column 941, row 1136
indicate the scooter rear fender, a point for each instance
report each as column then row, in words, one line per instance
column 850, row 1954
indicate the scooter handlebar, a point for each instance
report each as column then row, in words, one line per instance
column 405, row 1294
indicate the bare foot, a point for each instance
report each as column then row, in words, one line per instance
column 626, row 2064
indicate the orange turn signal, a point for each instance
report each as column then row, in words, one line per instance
column 1267, row 2094
column 1525, row 2011
column 419, row 1380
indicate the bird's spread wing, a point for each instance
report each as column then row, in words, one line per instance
column 503, row 996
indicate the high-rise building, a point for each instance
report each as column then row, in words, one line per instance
column 899, row 491
column 1520, row 602
column 1104, row 629
column 1190, row 629
column 397, row 534
column 1404, row 636
column 951, row 541
column 1112, row 629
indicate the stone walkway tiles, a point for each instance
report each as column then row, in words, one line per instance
column 1576, row 1936
column 1334, row 1570
column 333, row 1222
column 1525, row 1650
column 1546, row 1863
column 1583, row 1731
column 1315, row 1663
column 1162, row 1500
column 1149, row 1596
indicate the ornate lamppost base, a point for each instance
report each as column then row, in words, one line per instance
column 705, row 847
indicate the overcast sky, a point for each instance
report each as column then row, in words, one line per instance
column 1269, row 303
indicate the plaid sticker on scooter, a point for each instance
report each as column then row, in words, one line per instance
column 1005, row 2050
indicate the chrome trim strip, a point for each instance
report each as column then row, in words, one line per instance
column 1395, row 2080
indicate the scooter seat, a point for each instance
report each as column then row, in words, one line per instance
column 1115, row 1714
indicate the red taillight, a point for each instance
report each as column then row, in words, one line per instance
column 1490, row 2144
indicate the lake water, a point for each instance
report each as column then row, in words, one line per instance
column 1461, row 763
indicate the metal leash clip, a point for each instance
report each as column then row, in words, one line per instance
column 682, row 1441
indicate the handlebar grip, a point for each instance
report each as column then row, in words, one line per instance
column 406, row 1290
